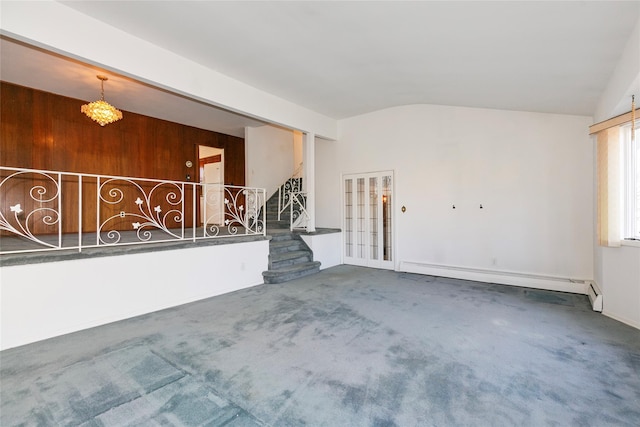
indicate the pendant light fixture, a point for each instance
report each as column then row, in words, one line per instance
column 101, row 111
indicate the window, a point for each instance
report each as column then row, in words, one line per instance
column 631, row 180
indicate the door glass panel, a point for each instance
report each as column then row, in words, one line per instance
column 386, row 217
column 373, row 218
column 348, row 217
column 360, row 236
column 368, row 222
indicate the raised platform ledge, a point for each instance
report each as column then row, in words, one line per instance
column 125, row 249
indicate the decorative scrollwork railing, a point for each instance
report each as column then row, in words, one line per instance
column 241, row 210
column 299, row 214
column 148, row 214
column 293, row 185
column 43, row 197
column 49, row 210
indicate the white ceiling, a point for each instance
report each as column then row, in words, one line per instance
column 348, row 58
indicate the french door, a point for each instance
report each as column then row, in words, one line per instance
column 368, row 230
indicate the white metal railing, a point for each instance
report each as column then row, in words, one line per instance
column 293, row 185
column 298, row 210
column 44, row 210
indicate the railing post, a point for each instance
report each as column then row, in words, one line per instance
column 183, row 202
column 194, row 222
column 279, row 201
column 246, row 213
column 264, row 212
column 79, row 213
column 291, row 199
column 60, row 210
column 97, row 211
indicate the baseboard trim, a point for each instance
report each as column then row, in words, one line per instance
column 527, row 280
column 622, row 320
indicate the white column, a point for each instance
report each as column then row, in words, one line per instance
column 309, row 177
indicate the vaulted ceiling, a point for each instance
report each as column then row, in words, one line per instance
column 343, row 59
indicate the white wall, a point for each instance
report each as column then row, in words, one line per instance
column 617, row 270
column 531, row 172
column 269, row 157
column 619, row 281
column 325, row 247
column 40, row 301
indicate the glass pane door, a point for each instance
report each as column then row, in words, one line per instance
column 368, row 219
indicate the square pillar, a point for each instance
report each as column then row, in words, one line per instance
column 309, row 177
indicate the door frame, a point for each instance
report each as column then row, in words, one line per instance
column 367, row 261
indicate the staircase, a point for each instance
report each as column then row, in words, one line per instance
column 272, row 213
column 289, row 257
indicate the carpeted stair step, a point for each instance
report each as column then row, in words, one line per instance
column 289, row 257
column 275, row 224
column 291, row 272
column 278, row 234
column 284, row 259
column 288, row 245
column 274, row 212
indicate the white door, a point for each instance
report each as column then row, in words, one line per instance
column 368, row 231
column 214, row 190
column 211, row 163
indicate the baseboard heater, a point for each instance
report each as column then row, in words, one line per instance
column 503, row 277
column 595, row 296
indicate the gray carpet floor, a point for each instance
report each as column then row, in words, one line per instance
column 349, row 346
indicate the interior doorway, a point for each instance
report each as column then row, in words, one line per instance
column 368, row 220
column 211, row 175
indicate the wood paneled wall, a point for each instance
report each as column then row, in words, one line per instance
column 42, row 130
